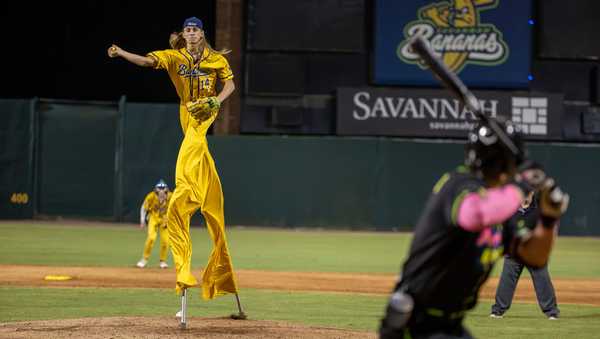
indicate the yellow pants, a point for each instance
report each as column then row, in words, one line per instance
column 197, row 186
column 153, row 225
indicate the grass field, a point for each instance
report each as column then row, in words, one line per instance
column 261, row 249
column 270, row 250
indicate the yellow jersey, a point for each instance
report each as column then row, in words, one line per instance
column 155, row 208
column 192, row 80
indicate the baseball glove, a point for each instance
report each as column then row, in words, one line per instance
column 203, row 108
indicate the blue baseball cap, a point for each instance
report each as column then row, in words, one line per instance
column 192, row 22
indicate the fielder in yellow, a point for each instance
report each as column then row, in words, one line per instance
column 153, row 213
column 194, row 68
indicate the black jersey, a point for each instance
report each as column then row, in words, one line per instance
column 525, row 220
column 447, row 265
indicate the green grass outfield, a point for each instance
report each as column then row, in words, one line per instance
column 264, row 249
column 259, row 249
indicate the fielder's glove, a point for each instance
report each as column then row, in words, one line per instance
column 203, row 108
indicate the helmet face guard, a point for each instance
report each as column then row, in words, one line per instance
column 485, row 153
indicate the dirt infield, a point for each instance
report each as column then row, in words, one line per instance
column 573, row 291
column 576, row 291
column 164, row 327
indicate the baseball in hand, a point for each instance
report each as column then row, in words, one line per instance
column 112, row 51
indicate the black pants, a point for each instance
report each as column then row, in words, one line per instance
column 544, row 290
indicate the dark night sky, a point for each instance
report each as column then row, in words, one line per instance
column 58, row 50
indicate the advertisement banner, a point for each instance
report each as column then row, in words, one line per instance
column 487, row 42
column 436, row 113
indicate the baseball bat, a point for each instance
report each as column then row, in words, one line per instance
column 458, row 88
column 467, row 98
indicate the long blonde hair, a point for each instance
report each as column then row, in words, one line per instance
column 177, row 41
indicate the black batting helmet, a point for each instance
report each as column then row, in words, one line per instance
column 485, row 152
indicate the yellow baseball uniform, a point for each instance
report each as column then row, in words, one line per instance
column 197, row 184
column 156, row 212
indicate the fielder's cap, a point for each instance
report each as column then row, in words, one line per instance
column 161, row 184
column 192, row 22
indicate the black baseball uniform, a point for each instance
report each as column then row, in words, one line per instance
column 447, row 264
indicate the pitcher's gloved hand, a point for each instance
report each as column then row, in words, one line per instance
column 203, row 108
column 553, row 202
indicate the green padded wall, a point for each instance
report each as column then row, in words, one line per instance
column 99, row 160
column 75, row 167
column 16, row 151
column 365, row 183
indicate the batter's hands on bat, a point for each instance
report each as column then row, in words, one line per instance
column 203, row 108
column 113, row 51
column 530, row 176
column 553, row 200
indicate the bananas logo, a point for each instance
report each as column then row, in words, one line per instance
column 455, row 32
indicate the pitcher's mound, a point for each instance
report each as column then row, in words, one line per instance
column 167, row 327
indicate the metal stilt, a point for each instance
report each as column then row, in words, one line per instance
column 241, row 315
column 183, row 319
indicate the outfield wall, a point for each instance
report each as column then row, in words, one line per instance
column 16, row 150
column 98, row 161
column 370, row 182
